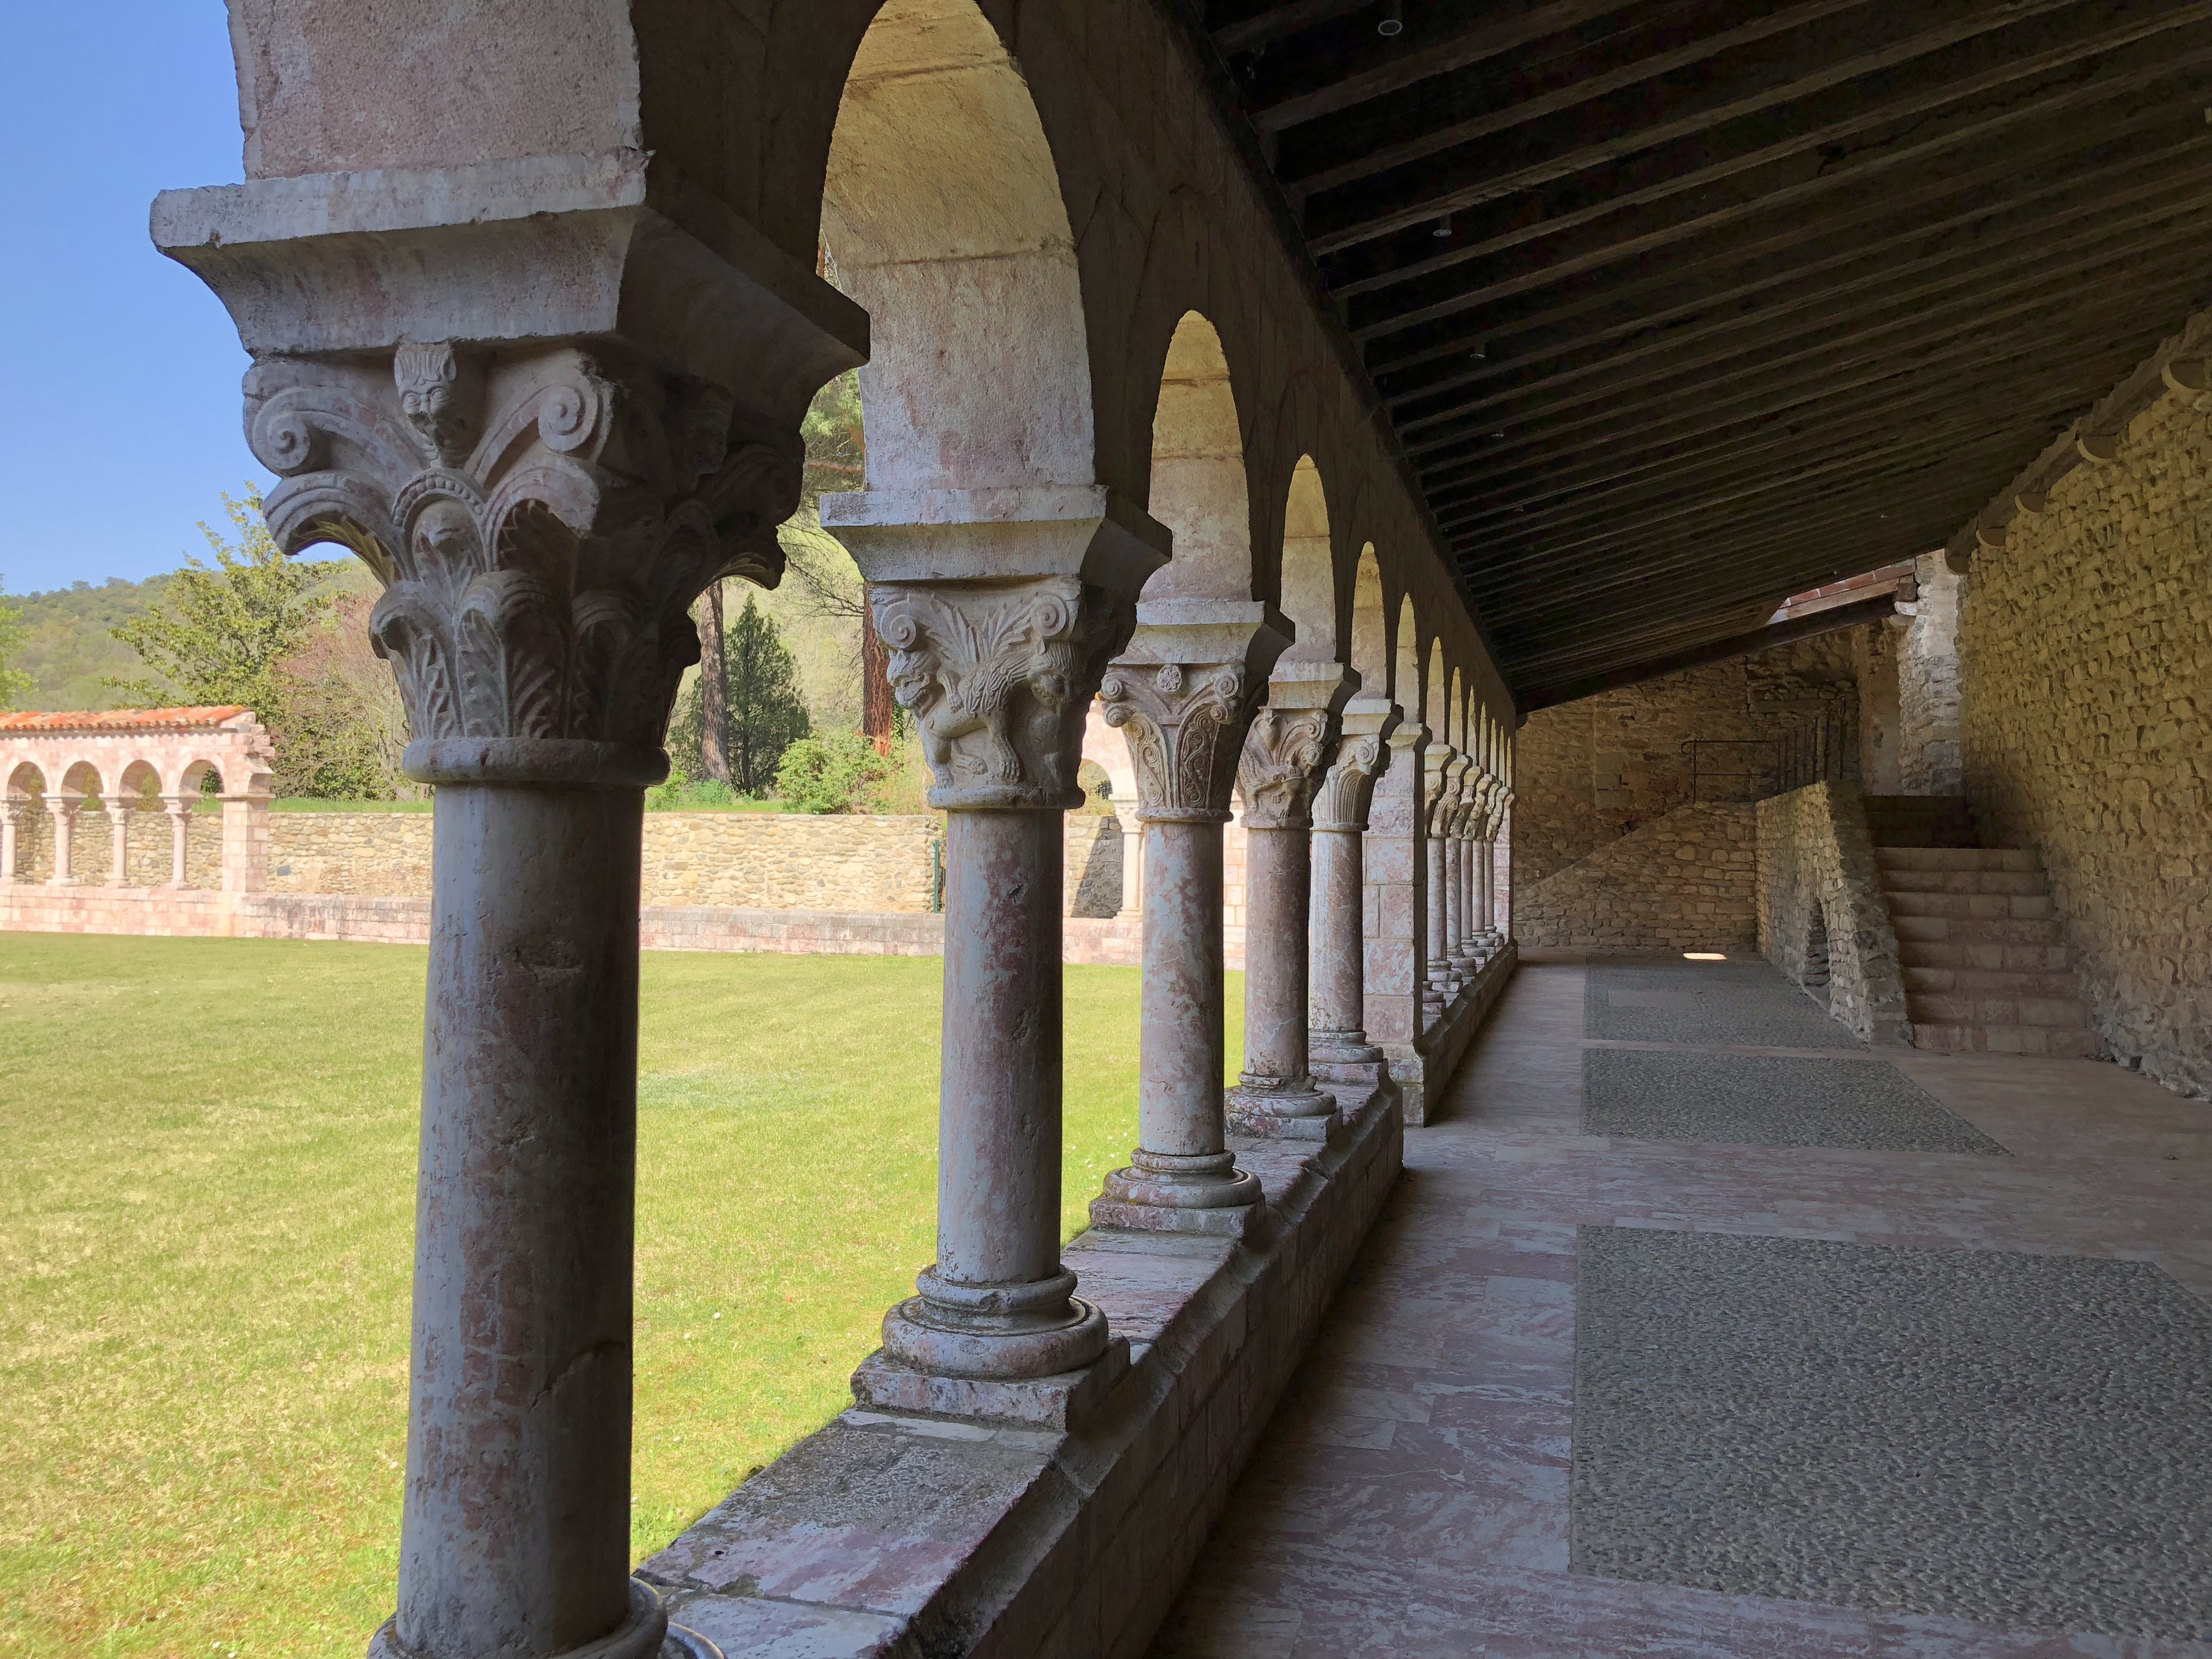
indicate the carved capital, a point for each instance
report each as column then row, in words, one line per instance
column 1281, row 766
column 1341, row 802
column 999, row 677
column 1185, row 723
column 542, row 519
column 1439, row 791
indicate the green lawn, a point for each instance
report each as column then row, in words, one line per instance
column 205, row 1217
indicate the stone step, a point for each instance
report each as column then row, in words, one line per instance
column 1942, row 1008
column 1991, row 981
column 1985, row 907
column 1963, row 881
column 2008, row 1040
column 1974, row 930
column 2015, row 958
column 1955, row 858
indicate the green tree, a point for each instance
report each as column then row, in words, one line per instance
column 221, row 633
column 762, row 706
column 14, row 682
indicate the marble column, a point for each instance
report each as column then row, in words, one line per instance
column 1185, row 690
column 998, row 671
column 1337, row 1046
column 180, row 811
column 1396, row 873
column 118, row 820
column 12, row 809
column 1281, row 766
column 63, row 810
column 1440, row 985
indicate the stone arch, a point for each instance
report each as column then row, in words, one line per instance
column 942, row 211
column 1200, row 489
column 26, row 778
column 1371, row 644
column 191, row 775
column 1436, row 712
column 80, row 777
column 1309, row 583
column 139, row 778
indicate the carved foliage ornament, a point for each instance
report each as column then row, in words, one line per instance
column 542, row 522
column 999, row 679
column 1185, row 723
column 1281, row 766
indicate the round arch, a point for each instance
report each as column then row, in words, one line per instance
column 1200, row 491
column 1308, row 584
column 942, row 211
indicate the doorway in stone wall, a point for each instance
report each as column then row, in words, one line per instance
column 1816, row 958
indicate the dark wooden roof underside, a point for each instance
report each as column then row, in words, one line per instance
column 1679, row 307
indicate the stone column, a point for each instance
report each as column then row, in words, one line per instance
column 180, row 809
column 1185, row 692
column 118, row 820
column 1439, row 985
column 1337, row 1044
column 1280, row 767
column 1501, row 909
column 64, row 815
column 1000, row 629
column 1396, row 869
column 12, row 808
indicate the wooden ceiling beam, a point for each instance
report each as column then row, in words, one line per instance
column 1932, row 310
column 1716, row 124
column 1588, row 223
column 2048, row 246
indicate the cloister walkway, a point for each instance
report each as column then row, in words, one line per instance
column 1622, row 1372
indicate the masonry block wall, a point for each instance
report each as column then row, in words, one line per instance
column 1685, row 880
column 1822, row 920
column 1606, row 849
column 92, row 847
column 2085, row 649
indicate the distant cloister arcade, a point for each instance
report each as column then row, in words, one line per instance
column 130, row 763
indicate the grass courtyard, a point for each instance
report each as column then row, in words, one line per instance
column 206, row 1215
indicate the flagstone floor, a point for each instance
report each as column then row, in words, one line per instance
column 1533, row 1428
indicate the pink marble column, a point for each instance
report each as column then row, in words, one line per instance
column 180, row 811
column 998, row 674
column 1440, row 985
column 118, row 820
column 1185, row 691
column 1396, row 872
column 12, row 809
column 1337, row 1044
column 63, row 810
column 1279, row 769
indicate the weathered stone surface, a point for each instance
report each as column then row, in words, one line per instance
column 2085, row 644
column 1686, row 880
column 1822, row 920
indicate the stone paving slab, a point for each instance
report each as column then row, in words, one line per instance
column 1768, row 1100
column 2017, row 1440
column 1745, row 1002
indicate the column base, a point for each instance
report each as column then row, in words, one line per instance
column 1002, row 1332
column 1167, row 1192
column 646, row 1634
column 1327, row 1050
column 1289, row 1108
column 1063, row 1401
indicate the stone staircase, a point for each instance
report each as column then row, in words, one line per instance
column 1976, row 938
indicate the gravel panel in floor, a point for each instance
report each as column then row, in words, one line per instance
column 2020, row 1440
column 1766, row 1100
column 1746, row 1003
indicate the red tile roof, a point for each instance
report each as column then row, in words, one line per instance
column 123, row 719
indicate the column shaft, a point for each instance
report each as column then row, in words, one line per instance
column 515, row 1538
column 1276, row 1093
column 181, row 815
column 1338, row 1014
column 1454, row 895
column 11, row 818
column 1181, row 1049
column 65, row 817
column 119, row 818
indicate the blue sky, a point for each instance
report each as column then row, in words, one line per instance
column 119, row 370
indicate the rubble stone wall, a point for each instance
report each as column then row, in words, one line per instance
column 2085, row 649
column 92, row 847
column 1928, row 685
column 1686, row 880
column 1822, row 920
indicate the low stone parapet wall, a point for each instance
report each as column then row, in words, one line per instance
column 898, row 1532
column 405, row 919
column 1685, row 881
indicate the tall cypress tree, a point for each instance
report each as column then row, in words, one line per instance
column 765, row 710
